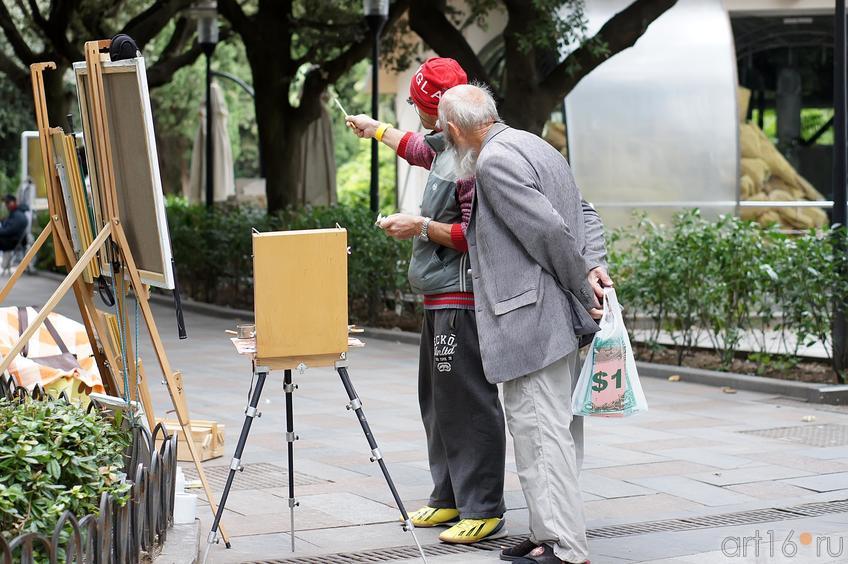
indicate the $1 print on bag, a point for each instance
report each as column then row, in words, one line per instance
column 609, row 384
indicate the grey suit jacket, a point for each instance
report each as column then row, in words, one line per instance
column 529, row 255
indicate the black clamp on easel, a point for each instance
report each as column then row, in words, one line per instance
column 260, row 374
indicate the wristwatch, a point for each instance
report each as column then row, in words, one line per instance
column 425, row 226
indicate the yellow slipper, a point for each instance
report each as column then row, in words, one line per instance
column 433, row 517
column 469, row 531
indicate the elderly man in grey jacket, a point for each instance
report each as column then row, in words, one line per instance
column 527, row 244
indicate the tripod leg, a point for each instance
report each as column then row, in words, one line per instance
column 235, row 465
column 376, row 456
column 289, row 388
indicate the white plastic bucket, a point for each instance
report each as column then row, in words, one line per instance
column 185, row 507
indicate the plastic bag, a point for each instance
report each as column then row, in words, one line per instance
column 608, row 385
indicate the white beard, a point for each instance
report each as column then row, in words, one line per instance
column 466, row 162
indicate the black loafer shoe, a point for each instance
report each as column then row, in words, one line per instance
column 518, row 551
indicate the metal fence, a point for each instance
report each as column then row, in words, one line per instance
column 118, row 534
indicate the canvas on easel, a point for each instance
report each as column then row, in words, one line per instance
column 141, row 203
column 300, row 295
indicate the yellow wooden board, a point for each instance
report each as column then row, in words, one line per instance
column 300, row 293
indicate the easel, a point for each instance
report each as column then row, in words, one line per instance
column 111, row 233
column 292, row 272
column 261, row 367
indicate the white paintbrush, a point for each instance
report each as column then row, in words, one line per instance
column 339, row 104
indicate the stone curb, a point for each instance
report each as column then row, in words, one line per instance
column 832, row 394
column 182, row 545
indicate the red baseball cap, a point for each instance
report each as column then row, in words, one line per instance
column 432, row 79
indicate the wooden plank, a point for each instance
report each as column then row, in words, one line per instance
column 96, row 97
column 174, row 389
column 90, row 315
column 144, row 392
column 57, row 296
column 300, row 293
column 33, row 250
column 43, row 124
column 292, row 362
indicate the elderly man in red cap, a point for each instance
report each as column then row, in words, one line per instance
column 461, row 411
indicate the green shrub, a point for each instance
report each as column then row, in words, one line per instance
column 54, row 457
column 213, row 249
column 728, row 279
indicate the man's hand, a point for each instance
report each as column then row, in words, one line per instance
column 362, row 125
column 401, row 226
column 598, row 278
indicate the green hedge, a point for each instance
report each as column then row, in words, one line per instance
column 727, row 279
column 213, row 250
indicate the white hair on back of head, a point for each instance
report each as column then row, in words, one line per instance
column 468, row 106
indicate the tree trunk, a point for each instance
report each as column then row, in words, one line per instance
column 280, row 135
column 58, row 98
column 529, row 112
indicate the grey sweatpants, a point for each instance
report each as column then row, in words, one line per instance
column 462, row 415
column 538, row 412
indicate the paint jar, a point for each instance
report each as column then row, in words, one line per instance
column 246, row 330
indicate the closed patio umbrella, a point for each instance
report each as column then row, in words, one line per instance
column 223, row 172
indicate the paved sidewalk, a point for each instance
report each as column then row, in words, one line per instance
column 697, row 456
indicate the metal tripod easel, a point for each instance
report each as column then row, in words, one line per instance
column 260, row 374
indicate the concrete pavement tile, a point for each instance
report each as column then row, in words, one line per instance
column 246, row 548
column 823, row 483
column 747, row 475
column 693, row 490
column 401, row 473
column 263, row 523
column 656, row 545
column 617, row 456
column 515, row 499
column 657, row 446
column 825, row 453
column 639, row 508
column 608, row 488
column 709, row 457
column 346, row 539
column 633, row 433
column 769, row 490
column 590, row 462
column 350, row 508
column 511, row 481
column 667, row 468
column 253, row 502
column 324, row 471
column 788, row 457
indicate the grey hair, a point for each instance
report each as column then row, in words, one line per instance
column 468, row 107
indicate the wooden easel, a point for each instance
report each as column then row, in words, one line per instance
column 111, row 232
column 291, row 333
